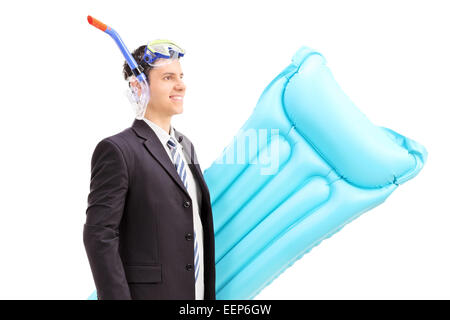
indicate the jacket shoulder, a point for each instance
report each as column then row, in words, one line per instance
column 122, row 138
column 122, row 141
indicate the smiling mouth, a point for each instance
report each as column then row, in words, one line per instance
column 176, row 98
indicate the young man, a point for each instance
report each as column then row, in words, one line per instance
column 149, row 227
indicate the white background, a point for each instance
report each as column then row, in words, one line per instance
column 62, row 92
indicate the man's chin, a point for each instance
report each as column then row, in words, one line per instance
column 178, row 110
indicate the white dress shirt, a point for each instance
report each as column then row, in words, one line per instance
column 195, row 194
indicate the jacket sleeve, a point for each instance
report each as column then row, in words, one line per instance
column 106, row 200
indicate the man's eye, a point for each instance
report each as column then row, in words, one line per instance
column 169, row 77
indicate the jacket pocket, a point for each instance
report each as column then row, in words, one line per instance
column 143, row 274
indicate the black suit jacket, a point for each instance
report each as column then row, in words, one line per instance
column 139, row 227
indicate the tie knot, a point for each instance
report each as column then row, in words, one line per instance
column 171, row 143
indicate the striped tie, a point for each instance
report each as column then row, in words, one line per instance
column 178, row 160
column 180, row 166
column 196, row 264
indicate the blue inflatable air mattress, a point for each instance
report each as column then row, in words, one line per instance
column 317, row 164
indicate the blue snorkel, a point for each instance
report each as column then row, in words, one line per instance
column 141, row 95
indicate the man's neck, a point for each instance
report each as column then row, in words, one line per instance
column 162, row 122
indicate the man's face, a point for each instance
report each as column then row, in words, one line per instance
column 167, row 89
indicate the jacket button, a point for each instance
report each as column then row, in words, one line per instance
column 189, row 267
column 188, row 236
column 187, row 204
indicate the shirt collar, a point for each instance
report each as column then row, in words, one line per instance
column 161, row 133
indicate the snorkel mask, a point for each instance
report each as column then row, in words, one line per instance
column 158, row 53
column 161, row 52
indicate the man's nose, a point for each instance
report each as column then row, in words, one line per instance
column 180, row 85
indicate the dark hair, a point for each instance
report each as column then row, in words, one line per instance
column 137, row 54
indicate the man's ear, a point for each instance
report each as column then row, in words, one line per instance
column 134, row 84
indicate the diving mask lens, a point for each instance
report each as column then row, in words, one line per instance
column 161, row 52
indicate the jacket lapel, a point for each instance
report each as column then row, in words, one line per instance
column 155, row 148
column 190, row 154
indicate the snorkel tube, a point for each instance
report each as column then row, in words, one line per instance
column 141, row 95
